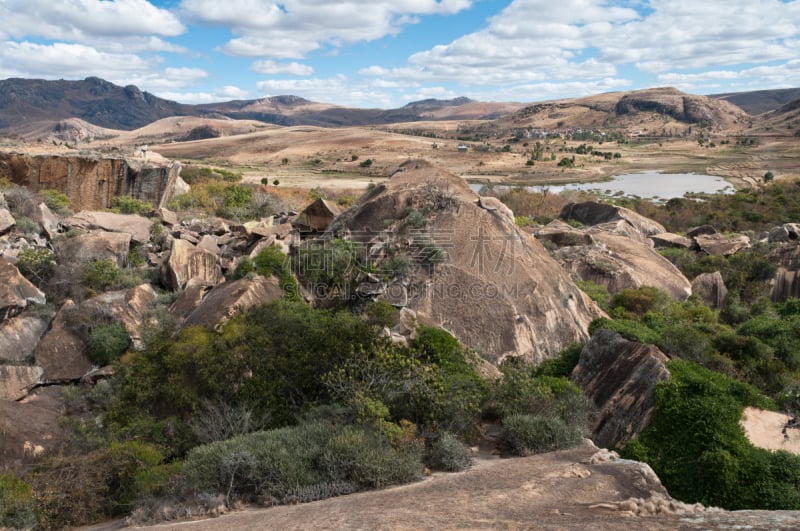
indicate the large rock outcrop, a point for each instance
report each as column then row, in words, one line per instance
column 16, row 291
column 127, row 307
column 96, row 245
column 233, row 298
column 17, row 380
column 188, row 261
column 612, row 260
column 28, row 431
column 91, row 182
column 618, row 219
column 472, row 271
column 787, row 277
column 618, row 376
column 62, row 353
column 137, row 226
column 19, row 336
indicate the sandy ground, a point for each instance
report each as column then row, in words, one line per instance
column 765, row 429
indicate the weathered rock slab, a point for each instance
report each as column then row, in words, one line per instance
column 187, row 261
column 230, row 299
column 16, row 291
column 619, row 376
column 17, row 380
column 19, row 336
column 97, row 245
column 61, row 353
column 138, row 227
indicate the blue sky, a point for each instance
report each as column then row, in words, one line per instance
column 376, row 53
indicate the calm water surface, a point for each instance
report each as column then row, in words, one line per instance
column 649, row 185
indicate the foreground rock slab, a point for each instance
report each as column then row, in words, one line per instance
column 582, row 488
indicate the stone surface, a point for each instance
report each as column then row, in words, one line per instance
column 28, row 431
column 230, row 299
column 496, row 289
column 17, row 380
column 619, row 262
column 710, row 287
column 19, row 336
column 91, row 182
column 7, row 221
column 190, row 298
column 317, row 216
column 618, row 376
column 16, row 291
column 595, row 213
column 137, row 226
column 96, row 245
column 127, row 307
column 787, row 276
column 668, row 239
column 167, row 217
column 61, row 353
column 720, row 245
column 187, row 261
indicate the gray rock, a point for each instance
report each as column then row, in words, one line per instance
column 7, row 221
column 17, row 380
column 187, row 261
column 668, row 239
column 619, row 376
column 595, row 213
column 97, row 245
column 230, row 299
column 138, row 227
column 16, row 291
column 710, row 287
column 61, row 353
column 720, row 245
column 19, row 336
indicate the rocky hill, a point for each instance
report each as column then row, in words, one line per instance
column 655, row 108
column 760, row 101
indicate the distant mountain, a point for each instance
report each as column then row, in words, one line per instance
column 24, row 102
column 33, row 106
column 760, row 101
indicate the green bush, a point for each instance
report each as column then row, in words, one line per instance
column 17, row 504
column 631, row 303
column 272, row 261
column 106, row 343
column 446, row 452
column 699, row 450
column 27, row 226
column 525, row 434
column 562, row 365
column 130, row 205
column 56, row 201
column 278, row 465
column 36, row 263
column 597, row 292
column 100, row 274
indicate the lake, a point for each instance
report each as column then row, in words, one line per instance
column 648, row 185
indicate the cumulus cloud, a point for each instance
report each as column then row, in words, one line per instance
column 293, row 28
column 271, row 67
column 85, row 20
column 68, row 60
column 339, row 90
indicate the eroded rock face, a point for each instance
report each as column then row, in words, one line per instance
column 787, row 276
column 17, row 380
column 618, row 262
column 7, row 221
column 62, row 353
column 668, row 239
column 28, row 431
column 187, row 261
column 97, row 245
column 18, row 337
column 233, row 298
column 710, row 287
column 720, row 245
column 625, row 221
column 91, row 182
column 493, row 286
column 138, row 227
column 618, row 376
column 16, row 291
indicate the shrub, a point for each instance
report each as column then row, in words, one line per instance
column 36, row 263
column 27, row 226
column 106, row 343
column 84, row 489
column 272, row 261
column 100, row 274
column 597, row 292
column 699, row 450
column 525, row 434
column 635, row 302
column 446, row 452
column 562, row 365
column 17, row 504
column 56, row 201
column 365, row 163
column 130, row 205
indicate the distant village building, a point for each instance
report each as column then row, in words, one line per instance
column 462, row 148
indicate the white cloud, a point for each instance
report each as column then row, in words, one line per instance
column 85, row 20
column 338, row 90
column 58, row 60
column 271, row 67
column 230, row 92
column 293, row 28
column 782, row 75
